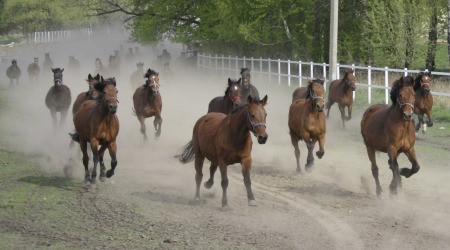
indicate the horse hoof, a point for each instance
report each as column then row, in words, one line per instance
column 252, row 203
column 429, row 124
column 309, row 168
column 109, row 173
column 320, row 154
column 102, row 178
column 94, row 181
column 208, row 184
column 405, row 172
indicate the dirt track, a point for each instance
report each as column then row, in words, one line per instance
column 334, row 207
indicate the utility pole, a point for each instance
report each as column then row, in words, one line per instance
column 333, row 39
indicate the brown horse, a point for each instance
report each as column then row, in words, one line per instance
column 424, row 100
column 137, row 76
column 225, row 140
column 58, row 98
column 99, row 68
column 231, row 99
column 113, row 66
column 307, row 122
column 34, row 70
column 341, row 91
column 13, row 72
column 96, row 122
column 91, row 94
column 247, row 87
column 147, row 102
column 302, row 92
column 390, row 129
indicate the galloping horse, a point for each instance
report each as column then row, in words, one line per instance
column 147, row 102
column 225, row 140
column 99, row 68
column 247, row 87
column 424, row 100
column 341, row 91
column 113, row 66
column 390, row 129
column 34, row 70
column 302, row 92
column 91, row 94
column 137, row 76
column 48, row 62
column 307, row 122
column 232, row 98
column 73, row 65
column 13, row 72
column 96, row 122
column 58, row 98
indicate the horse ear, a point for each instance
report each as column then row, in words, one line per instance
column 239, row 81
column 89, row 77
column 249, row 99
column 264, row 101
column 52, row 69
column 229, row 81
column 62, row 70
column 310, row 81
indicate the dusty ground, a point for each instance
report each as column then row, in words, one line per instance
column 147, row 203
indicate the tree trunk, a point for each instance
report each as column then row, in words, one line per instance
column 432, row 39
column 410, row 45
column 448, row 29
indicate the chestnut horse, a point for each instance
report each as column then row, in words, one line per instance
column 231, row 99
column 58, row 98
column 247, row 87
column 302, row 92
column 341, row 92
column 424, row 100
column 147, row 102
column 225, row 140
column 307, row 123
column 96, row 122
column 390, row 129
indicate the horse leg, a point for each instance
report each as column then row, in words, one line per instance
column 420, row 122
column 342, row 110
column 83, row 147
column 310, row 159
column 246, row 167
column 294, row 141
column 101, row 152
column 411, row 154
column 53, row 114
column 393, row 165
column 63, row 115
column 157, row 124
column 199, row 159
column 329, row 104
column 94, row 147
column 112, row 148
column 212, row 171
column 224, row 184
column 321, row 150
column 373, row 161
column 143, row 129
column 429, row 116
column 349, row 111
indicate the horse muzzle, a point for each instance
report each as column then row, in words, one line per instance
column 112, row 108
column 58, row 83
column 408, row 116
column 236, row 100
column 262, row 139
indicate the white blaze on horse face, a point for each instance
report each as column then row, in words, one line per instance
column 235, row 88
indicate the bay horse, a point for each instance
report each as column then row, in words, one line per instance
column 247, row 87
column 424, row 100
column 58, row 98
column 307, row 123
column 96, row 122
column 34, row 70
column 137, row 76
column 147, row 102
column 341, row 92
column 231, row 99
column 390, row 129
column 225, row 140
column 302, row 92
column 13, row 72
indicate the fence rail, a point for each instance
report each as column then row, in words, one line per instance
column 298, row 71
column 59, row 35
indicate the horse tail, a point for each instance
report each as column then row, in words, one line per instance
column 75, row 137
column 187, row 154
column 133, row 112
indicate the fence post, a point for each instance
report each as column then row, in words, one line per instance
column 243, row 63
column 279, row 71
column 215, row 60
column 325, row 76
column 406, row 71
column 312, row 70
column 338, row 75
column 386, row 85
column 369, row 82
column 299, row 73
column 270, row 70
column 236, row 65
column 354, row 74
column 229, row 65
column 260, row 69
column 289, row 73
column 252, row 63
column 223, row 66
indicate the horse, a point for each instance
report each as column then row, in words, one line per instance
column 99, row 68
column 225, row 140
column 247, row 87
column 302, row 92
column 137, row 76
column 48, row 62
column 91, row 94
column 96, row 122
column 73, row 65
column 129, row 57
column 34, row 70
column 390, row 129
column 13, row 72
column 58, row 98
column 341, row 92
column 424, row 100
column 147, row 102
column 307, row 123
column 231, row 99
column 113, row 66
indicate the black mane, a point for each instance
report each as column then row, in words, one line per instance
column 244, row 69
column 399, row 84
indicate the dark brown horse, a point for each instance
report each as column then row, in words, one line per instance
column 147, row 102
column 247, row 87
column 225, row 140
column 302, row 92
column 424, row 100
column 231, row 99
column 137, row 76
column 34, row 70
column 341, row 92
column 58, row 98
column 13, row 72
column 307, row 123
column 96, row 122
column 390, row 129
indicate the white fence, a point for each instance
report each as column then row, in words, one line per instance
column 59, row 35
column 296, row 71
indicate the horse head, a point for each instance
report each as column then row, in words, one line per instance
column 91, row 82
column 58, row 76
column 36, row 60
column 403, row 95
column 423, row 82
column 140, row 66
column 152, row 81
column 316, row 91
column 98, row 64
column 108, row 92
column 233, row 91
column 350, row 79
column 257, row 118
column 14, row 62
column 245, row 74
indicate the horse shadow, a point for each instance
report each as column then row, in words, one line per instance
column 50, row 181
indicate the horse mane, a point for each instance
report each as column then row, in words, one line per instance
column 399, row 84
column 150, row 72
column 417, row 83
column 236, row 109
column 244, row 69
